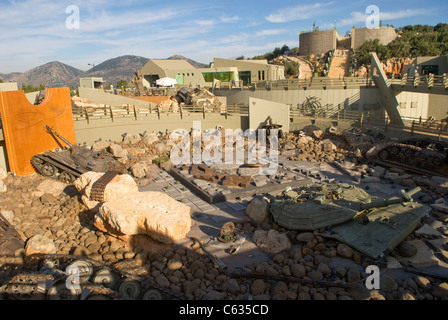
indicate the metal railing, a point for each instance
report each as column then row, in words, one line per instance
column 428, row 81
column 314, row 82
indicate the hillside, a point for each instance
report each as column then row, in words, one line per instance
column 57, row 74
column 192, row 62
column 114, row 70
column 53, row 73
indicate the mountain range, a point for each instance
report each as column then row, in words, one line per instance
column 58, row 74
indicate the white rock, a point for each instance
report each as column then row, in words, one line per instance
column 153, row 213
column 271, row 241
column 2, row 186
column 131, row 138
column 39, row 244
column 51, row 186
column 119, row 186
column 3, row 173
column 117, row 151
column 150, row 138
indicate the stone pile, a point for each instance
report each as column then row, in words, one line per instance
column 63, row 224
column 313, row 144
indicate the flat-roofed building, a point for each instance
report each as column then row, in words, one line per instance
column 91, row 82
column 224, row 70
column 250, row 71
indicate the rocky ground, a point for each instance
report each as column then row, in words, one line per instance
column 52, row 219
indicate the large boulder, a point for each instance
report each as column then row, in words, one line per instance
column 153, row 213
column 39, row 244
column 120, row 185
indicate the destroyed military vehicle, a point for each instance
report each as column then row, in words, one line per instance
column 317, row 206
column 67, row 164
column 351, row 215
column 422, row 156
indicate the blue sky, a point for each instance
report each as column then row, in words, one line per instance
column 34, row 32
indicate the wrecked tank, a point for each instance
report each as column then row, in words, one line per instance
column 317, row 206
column 69, row 163
column 381, row 225
column 422, row 156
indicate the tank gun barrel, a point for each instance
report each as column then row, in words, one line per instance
column 54, row 133
column 405, row 197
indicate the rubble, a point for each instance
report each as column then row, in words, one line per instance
column 63, row 222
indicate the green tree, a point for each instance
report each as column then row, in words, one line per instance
column 291, row 68
column 30, row 88
column 122, row 83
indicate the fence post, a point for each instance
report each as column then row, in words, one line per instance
column 412, row 127
column 158, row 112
column 135, row 112
column 87, row 116
column 111, row 113
column 127, row 107
column 180, row 110
column 225, row 111
column 362, row 120
column 440, row 132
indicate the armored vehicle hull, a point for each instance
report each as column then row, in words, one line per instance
column 68, row 164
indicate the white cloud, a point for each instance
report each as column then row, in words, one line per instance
column 357, row 17
column 301, row 12
column 270, row 32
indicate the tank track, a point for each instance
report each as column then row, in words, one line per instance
column 98, row 187
column 61, row 169
column 40, row 285
column 411, row 157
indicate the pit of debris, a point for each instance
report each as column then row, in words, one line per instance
column 48, row 227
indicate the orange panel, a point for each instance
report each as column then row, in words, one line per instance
column 24, row 125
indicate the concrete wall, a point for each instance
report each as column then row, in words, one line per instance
column 317, row 42
column 8, row 86
column 413, row 104
column 441, row 62
column 296, row 97
column 260, row 110
column 384, row 34
column 101, row 97
column 438, row 106
column 105, row 129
